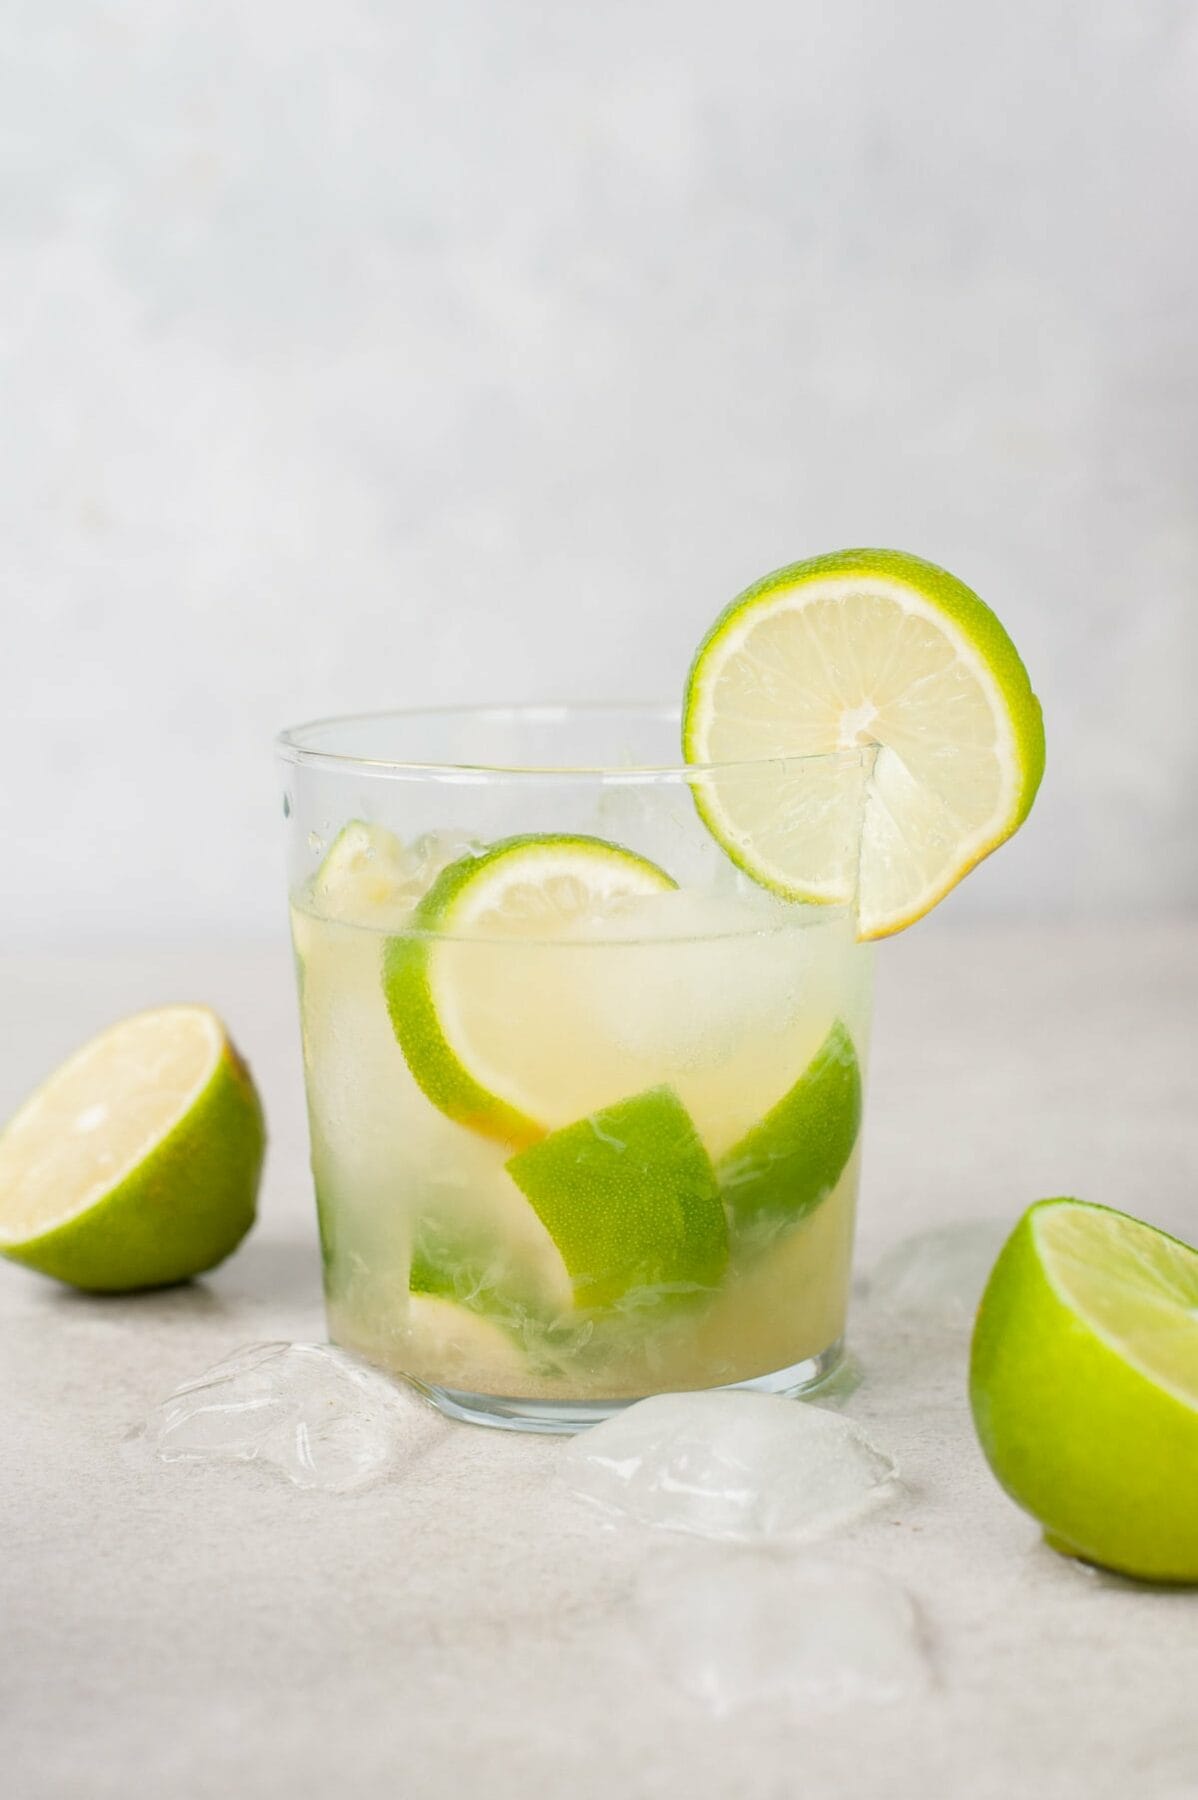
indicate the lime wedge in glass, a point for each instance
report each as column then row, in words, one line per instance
column 784, row 1167
column 630, row 1199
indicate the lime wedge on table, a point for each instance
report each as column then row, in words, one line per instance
column 1084, row 1386
column 136, row 1164
column 862, row 648
column 784, row 1167
column 458, row 1007
column 630, row 1199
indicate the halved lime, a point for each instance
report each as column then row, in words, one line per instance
column 630, row 1199
column 862, row 648
column 786, row 1165
column 458, row 993
column 137, row 1163
column 1084, row 1386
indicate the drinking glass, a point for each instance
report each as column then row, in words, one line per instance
column 601, row 1139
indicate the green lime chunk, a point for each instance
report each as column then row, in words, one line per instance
column 782, row 1169
column 137, row 1163
column 455, row 992
column 631, row 1200
column 1084, row 1386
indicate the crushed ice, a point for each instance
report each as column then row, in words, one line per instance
column 937, row 1277
column 729, row 1464
column 309, row 1411
column 758, row 1628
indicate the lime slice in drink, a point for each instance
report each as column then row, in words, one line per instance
column 862, row 648
column 458, row 994
column 136, row 1164
column 785, row 1166
column 630, row 1199
column 1084, row 1386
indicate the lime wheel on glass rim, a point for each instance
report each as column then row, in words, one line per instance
column 863, row 650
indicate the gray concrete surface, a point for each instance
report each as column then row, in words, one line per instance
column 197, row 1633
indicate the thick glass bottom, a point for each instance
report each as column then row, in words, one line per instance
column 562, row 1417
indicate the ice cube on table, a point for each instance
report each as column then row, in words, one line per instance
column 729, row 1464
column 309, row 1411
column 756, row 1627
column 937, row 1277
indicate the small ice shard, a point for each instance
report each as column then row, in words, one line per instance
column 729, row 1464
column 758, row 1628
column 937, row 1276
column 310, row 1411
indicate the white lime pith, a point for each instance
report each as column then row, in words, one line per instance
column 136, row 1164
column 905, row 740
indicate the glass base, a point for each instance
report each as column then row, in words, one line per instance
column 562, row 1417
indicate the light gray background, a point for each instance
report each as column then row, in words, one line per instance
column 360, row 354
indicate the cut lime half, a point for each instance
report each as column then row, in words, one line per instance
column 137, row 1163
column 862, row 649
column 458, row 993
column 1084, row 1386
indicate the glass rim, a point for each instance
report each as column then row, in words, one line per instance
column 293, row 745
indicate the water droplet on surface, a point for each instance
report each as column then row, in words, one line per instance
column 286, row 806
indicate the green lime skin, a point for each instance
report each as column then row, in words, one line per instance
column 182, row 1210
column 631, row 1200
column 1105, row 1458
column 792, row 1159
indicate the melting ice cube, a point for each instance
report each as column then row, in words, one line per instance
column 730, row 1464
column 311, row 1412
column 937, row 1276
column 757, row 1627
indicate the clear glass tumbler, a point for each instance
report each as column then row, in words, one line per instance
column 585, row 1101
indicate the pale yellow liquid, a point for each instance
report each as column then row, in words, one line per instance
column 729, row 1019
